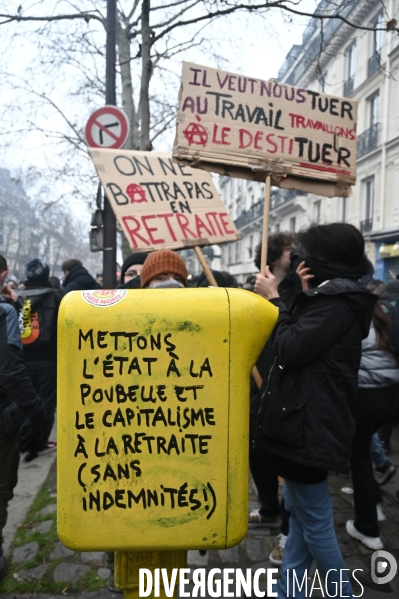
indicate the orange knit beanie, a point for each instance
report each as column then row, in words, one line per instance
column 162, row 261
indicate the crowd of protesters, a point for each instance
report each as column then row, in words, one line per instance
column 328, row 402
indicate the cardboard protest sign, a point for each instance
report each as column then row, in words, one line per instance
column 246, row 127
column 161, row 204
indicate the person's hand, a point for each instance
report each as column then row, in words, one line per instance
column 266, row 286
column 303, row 273
column 9, row 294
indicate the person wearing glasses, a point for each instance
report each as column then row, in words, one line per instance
column 131, row 269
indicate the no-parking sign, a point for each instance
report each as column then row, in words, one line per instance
column 107, row 127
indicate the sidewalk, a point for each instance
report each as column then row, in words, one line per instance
column 252, row 552
column 31, row 476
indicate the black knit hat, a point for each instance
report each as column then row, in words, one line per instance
column 219, row 278
column 137, row 258
column 335, row 242
column 37, row 271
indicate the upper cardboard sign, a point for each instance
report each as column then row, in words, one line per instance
column 161, row 204
column 245, row 127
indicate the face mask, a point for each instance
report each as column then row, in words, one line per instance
column 169, row 284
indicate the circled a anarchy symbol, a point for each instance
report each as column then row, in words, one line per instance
column 196, row 134
column 136, row 193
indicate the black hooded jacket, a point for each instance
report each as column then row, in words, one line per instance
column 391, row 292
column 308, row 409
column 132, row 284
column 289, row 287
column 15, row 384
column 45, row 301
column 394, row 331
column 78, row 278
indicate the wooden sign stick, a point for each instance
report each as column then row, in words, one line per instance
column 265, row 232
column 263, row 256
column 212, row 281
column 205, row 266
column 257, row 377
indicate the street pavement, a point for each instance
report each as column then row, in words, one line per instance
column 252, row 552
column 31, row 476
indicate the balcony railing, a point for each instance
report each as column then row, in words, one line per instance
column 248, row 216
column 373, row 64
column 281, row 196
column 368, row 141
column 366, row 225
column 348, row 86
column 256, row 211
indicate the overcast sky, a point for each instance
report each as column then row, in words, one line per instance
column 250, row 44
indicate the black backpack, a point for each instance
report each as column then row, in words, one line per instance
column 38, row 312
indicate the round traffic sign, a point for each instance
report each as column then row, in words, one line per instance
column 107, row 127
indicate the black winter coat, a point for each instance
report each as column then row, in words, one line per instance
column 48, row 302
column 308, row 408
column 391, row 292
column 78, row 278
column 15, row 384
column 132, row 284
column 288, row 289
column 394, row 331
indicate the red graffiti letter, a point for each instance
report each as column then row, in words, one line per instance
column 242, row 139
column 133, row 233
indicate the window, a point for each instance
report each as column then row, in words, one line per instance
column 374, row 62
column 368, row 197
column 350, row 70
column 368, row 205
column 316, row 211
column 251, row 246
column 292, row 224
column 277, row 228
column 369, row 139
column 230, row 259
column 225, row 194
column 237, row 251
column 238, row 208
column 344, row 210
column 350, row 61
column 373, row 105
column 378, row 36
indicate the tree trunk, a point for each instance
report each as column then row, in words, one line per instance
column 125, row 64
column 146, row 70
column 125, row 58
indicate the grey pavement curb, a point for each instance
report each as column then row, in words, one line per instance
column 31, row 477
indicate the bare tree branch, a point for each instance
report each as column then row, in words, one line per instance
column 164, row 6
column 340, row 18
column 283, row 4
column 19, row 18
column 177, row 15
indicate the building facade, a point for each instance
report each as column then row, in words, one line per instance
column 337, row 59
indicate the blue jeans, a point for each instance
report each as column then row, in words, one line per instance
column 378, row 456
column 311, row 537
